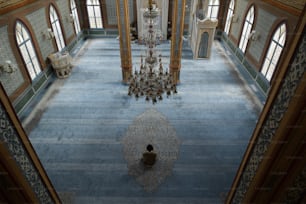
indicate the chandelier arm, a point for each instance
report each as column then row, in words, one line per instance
column 152, row 80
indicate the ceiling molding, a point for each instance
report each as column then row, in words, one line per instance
column 294, row 7
column 9, row 5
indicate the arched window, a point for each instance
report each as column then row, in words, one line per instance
column 212, row 9
column 27, row 49
column 94, row 14
column 75, row 16
column 56, row 28
column 274, row 52
column 247, row 28
column 230, row 14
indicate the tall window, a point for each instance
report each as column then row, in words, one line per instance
column 56, row 28
column 27, row 50
column 213, row 8
column 75, row 16
column 247, row 28
column 230, row 13
column 94, row 14
column 275, row 49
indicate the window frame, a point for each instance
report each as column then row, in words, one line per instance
column 212, row 6
column 247, row 29
column 273, row 60
column 75, row 16
column 97, row 22
column 27, row 50
column 230, row 13
column 56, row 28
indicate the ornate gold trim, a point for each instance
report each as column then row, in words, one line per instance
column 29, row 160
column 294, row 7
column 124, row 38
column 7, row 6
column 176, row 44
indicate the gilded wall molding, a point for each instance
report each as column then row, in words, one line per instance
column 9, row 136
column 7, row 3
column 298, row 188
column 291, row 81
column 298, row 4
column 10, row 5
column 178, row 20
column 294, row 7
column 124, row 39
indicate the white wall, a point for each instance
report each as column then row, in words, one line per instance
column 12, row 81
column 39, row 24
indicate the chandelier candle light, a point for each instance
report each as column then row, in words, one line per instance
column 151, row 81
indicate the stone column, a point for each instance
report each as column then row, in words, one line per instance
column 177, row 39
column 124, row 38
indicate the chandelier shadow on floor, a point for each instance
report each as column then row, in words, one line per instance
column 151, row 127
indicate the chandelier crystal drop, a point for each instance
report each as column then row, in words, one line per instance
column 151, row 80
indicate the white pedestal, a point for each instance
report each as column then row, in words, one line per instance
column 202, row 36
column 61, row 64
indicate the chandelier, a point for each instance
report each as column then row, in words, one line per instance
column 151, row 80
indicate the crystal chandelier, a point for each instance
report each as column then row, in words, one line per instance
column 151, row 80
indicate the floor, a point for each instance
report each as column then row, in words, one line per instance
column 79, row 126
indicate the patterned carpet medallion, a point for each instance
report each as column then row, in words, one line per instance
column 151, row 127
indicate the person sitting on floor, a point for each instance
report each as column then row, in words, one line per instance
column 149, row 157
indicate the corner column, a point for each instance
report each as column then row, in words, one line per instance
column 178, row 19
column 122, row 7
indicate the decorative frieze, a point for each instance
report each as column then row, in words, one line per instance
column 9, row 136
column 290, row 83
column 298, row 188
column 298, row 4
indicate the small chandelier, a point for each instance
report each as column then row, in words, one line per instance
column 152, row 81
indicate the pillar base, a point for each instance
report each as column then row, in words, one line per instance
column 126, row 73
column 175, row 76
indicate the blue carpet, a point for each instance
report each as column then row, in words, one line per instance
column 80, row 122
